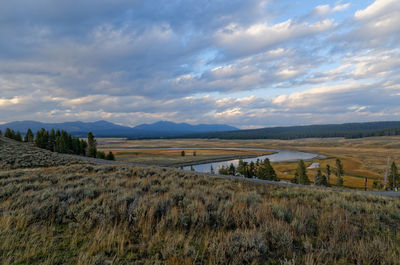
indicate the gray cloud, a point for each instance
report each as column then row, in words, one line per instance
column 143, row 61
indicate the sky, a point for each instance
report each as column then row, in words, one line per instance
column 246, row 63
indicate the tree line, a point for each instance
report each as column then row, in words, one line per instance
column 301, row 177
column 264, row 170
column 348, row 130
column 60, row 141
column 260, row 169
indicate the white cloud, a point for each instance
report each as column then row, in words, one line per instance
column 323, row 10
column 378, row 8
column 236, row 39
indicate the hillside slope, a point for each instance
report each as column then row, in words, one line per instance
column 86, row 214
column 24, row 155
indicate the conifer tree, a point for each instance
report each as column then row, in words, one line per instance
column 29, row 137
column 110, row 156
column 328, row 173
column 320, row 179
column 301, row 174
column 52, row 140
column 92, row 145
column 18, row 137
column 8, row 133
column 339, row 172
column 231, row 169
column 393, row 175
column 266, row 171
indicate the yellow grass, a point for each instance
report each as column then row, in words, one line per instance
column 366, row 157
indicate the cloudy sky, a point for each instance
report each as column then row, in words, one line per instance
column 247, row 63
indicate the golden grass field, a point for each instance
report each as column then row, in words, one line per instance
column 55, row 209
column 365, row 157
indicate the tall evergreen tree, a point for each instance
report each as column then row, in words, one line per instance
column 29, row 137
column 393, row 175
column 339, row 172
column 328, row 173
column 320, row 179
column 266, row 171
column 301, row 174
column 8, row 133
column 52, row 140
column 110, row 156
column 18, row 137
column 42, row 139
column 92, row 145
column 231, row 169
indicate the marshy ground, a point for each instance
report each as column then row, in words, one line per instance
column 365, row 157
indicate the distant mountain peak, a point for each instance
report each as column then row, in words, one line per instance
column 103, row 128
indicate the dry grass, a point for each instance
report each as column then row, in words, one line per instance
column 24, row 155
column 97, row 214
column 366, row 157
column 174, row 158
column 85, row 214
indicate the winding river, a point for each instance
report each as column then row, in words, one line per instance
column 277, row 156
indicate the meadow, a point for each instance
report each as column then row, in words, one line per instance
column 365, row 157
column 61, row 210
column 85, row 214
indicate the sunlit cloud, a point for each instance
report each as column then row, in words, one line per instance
column 249, row 63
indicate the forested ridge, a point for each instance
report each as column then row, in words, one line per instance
column 347, row 130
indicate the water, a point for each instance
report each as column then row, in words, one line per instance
column 278, row 156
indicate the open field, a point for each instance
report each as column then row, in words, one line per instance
column 86, row 214
column 366, row 157
column 59, row 210
column 174, row 157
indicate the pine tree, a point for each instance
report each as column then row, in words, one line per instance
column 301, row 174
column 266, row 171
column 18, row 137
column 320, row 179
column 8, row 133
column 232, row 170
column 92, row 145
column 241, row 168
column 339, row 172
column 29, row 136
column 328, row 173
column 52, row 140
column 42, row 139
column 110, row 156
column 393, row 175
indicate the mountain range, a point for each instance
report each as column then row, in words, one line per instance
column 107, row 129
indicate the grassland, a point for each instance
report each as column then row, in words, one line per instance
column 162, row 157
column 366, row 157
column 92, row 214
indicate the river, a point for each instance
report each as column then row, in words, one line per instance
column 277, row 156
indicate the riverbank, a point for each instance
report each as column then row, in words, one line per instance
column 216, row 160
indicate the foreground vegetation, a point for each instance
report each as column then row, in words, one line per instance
column 86, row 214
